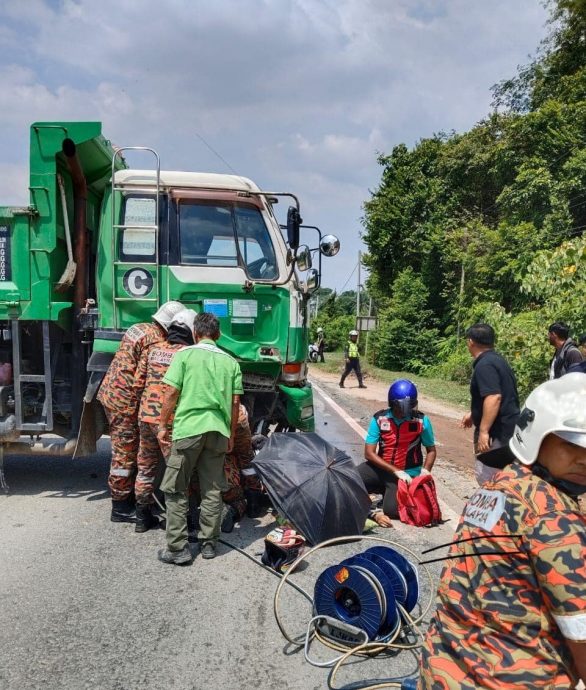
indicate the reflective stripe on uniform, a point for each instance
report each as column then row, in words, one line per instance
column 119, row 472
column 572, row 627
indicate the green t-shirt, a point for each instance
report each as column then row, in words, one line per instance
column 207, row 378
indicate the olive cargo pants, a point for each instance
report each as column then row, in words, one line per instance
column 203, row 454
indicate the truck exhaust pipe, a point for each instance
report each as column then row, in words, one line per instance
column 79, row 224
column 81, row 285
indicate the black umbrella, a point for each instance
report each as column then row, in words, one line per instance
column 313, row 485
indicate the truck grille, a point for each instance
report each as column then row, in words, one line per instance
column 258, row 382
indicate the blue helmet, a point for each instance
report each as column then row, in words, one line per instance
column 403, row 394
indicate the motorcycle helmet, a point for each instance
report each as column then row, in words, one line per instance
column 403, row 395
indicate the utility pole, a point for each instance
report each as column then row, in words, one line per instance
column 368, row 331
column 358, row 289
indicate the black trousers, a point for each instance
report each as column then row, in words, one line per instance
column 379, row 481
column 320, row 352
column 353, row 364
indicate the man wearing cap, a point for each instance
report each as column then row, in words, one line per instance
column 119, row 397
column 566, row 353
column 511, row 604
column 352, row 359
column 204, row 383
column 153, row 365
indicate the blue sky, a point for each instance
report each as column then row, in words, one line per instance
column 299, row 95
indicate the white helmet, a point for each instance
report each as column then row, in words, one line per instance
column 320, row 330
column 555, row 407
column 185, row 317
column 353, row 332
column 165, row 313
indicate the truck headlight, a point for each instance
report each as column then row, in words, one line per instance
column 306, row 412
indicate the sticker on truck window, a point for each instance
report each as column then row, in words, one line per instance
column 218, row 307
column 5, row 265
column 245, row 308
column 139, row 211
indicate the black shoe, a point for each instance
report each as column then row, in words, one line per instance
column 145, row 520
column 182, row 557
column 208, row 550
column 229, row 518
column 122, row 511
column 341, row 385
column 361, row 386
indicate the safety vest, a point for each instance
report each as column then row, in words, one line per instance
column 352, row 349
column 400, row 444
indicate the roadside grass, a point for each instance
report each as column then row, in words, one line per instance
column 446, row 391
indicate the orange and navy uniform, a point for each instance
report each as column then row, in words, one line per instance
column 119, row 391
column 119, row 396
column 153, row 365
column 149, row 378
column 502, row 618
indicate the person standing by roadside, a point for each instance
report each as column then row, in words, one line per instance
column 566, row 353
column 152, row 367
column 204, row 383
column 321, row 344
column 494, row 407
column 352, row 359
column 119, row 397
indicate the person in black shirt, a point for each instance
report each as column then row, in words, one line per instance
column 566, row 353
column 494, row 406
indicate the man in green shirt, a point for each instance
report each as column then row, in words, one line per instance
column 203, row 386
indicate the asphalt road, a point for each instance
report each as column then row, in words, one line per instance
column 84, row 603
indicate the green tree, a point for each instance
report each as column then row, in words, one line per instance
column 405, row 339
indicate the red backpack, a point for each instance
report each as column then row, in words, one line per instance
column 418, row 502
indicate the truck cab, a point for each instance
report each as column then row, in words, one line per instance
column 102, row 246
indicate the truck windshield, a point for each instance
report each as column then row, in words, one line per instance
column 225, row 234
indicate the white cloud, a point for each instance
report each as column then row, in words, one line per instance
column 293, row 93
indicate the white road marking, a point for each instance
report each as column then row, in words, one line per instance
column 447, row 512
column 341, row 412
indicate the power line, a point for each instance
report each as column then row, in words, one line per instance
column 349, row 278
column 215, row 153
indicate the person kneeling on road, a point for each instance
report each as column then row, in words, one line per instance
column 393, row 448
column 511, row 604
column 205, row 383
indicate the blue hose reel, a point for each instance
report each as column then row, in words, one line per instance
column 364, row 593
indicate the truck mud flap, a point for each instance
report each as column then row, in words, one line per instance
column 93, row 420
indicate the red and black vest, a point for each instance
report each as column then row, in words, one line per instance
column 400, row 444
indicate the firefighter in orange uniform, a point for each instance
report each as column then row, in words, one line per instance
column 511, row 604
column 153, row 365
column 119, row 397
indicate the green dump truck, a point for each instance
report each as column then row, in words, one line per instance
column 101, row 246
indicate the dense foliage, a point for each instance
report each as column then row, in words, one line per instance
column 488, row 225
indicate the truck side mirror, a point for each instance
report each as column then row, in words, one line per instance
column 312, row 282
column 293, row 223
column 329, row 245
column 303, row 258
